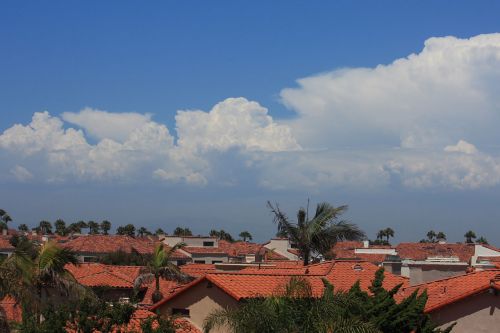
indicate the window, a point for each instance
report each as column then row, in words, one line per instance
column 89, row 259
column 181, row 262
column 216, row 261
column 208, row 244
column 180, row 312
column 199, row 261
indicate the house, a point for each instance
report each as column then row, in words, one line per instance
column 92, row 248
column 472, row 301
column 423, row 262
column 283, row 247
column 376, row 254
column 109, row 282
column 218, row 290
column 485, row 257
column 199, row 249
column 6, row 248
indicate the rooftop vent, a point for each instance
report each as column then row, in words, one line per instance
column 357, row 267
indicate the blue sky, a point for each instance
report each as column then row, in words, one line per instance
column 413, row 170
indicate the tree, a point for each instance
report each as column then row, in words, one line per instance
column 93, row 227
column 142, row 231
column 160, row 266
column 431, row 236
column 388, row 233
column 159, row 232
column 319, row 234
column 128, row 230
column 105, row 226
column 60, row 226
column 221, row 235
column 82, row 225
column 182, row 232
column 482, row 240
column 23, row 228
column 441, row 236
column 245, row 235
column 39, row 277
column 4, row 220
column 469, row 236
column 74, row 228
column 381, row 234
column 45, row 227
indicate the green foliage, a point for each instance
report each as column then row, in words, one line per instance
column 245, row 235
column 316, row 235
column 45, row 227
column 93, row 227
column 222, row 235
column 470, row 236
column 159, row 324
column 23, row 227
column 128, row 230
column 159, row 231
column 179, row 231
column 105, row 226
column 84, row 315
column 60, row 227
column 482, row 240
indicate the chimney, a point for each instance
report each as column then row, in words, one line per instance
column 366, row 244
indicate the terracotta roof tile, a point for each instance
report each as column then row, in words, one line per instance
column 422, row 251
column 11, row 308
column 167, row 288
column 203, row 250
column 94, row 275
column 197, row 270
column 5, row 243
column 447, row 291
column 239, row 248
column 249, row 283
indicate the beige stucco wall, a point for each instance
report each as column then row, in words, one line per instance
column 478, row 314
column 201, row 301
column 425, row 273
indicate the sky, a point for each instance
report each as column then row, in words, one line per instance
column 167, row 114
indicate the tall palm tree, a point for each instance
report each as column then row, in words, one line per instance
column 319, row 234
column 160, row 266
column 93, row 227
column 431, row 235
column 37, row 276
column 381, row 234
column 105, row 226
column 441, row 236
column 245, row 235
column 469, row 236
column 388, row 233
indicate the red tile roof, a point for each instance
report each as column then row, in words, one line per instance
column 197, row 270
column 239, row 248
column 103, row 244
column 167, row 288
column 447, row 291
column 5, row 243
column 11, row 308
column 422, row 251
column 249, row 283
column 94, row 275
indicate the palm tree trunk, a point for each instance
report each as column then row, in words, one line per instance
column 306, row 258
column 157, row 281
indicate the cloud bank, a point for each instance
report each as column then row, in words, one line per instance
column 427, row 120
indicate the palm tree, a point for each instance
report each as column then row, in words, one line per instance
column 36, row 278
column 93, row 227
column 105, row 226
column 60, row 226
column 45, row 227
column 159, row 232
column 431, row 235
column 160, row 266
column 23, row 228
column 179, row 231
column 82, row 225
column 142, row 231
column 482, row 240
column 469, row 236
column 245, row 235
column 381, row 234
column 388, row 233
column 441, row 236
column 4, row 220
column 319, row 234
